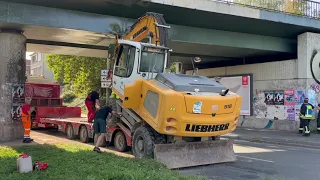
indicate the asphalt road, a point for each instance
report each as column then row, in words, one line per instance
column 264, row 161
column 254, row 161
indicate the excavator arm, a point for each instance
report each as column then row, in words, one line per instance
column 151, row 27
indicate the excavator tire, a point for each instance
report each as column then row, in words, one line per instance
column 143, row 143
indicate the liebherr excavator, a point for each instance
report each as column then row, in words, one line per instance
column 175, row 118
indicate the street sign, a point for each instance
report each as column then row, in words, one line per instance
column 104, row 72
column 105, row 84
column 104, row 78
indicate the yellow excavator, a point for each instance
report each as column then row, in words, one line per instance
column 172, row 117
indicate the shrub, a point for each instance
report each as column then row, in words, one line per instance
column 68, row 96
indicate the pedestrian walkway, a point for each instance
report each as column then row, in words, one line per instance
column 276, row 137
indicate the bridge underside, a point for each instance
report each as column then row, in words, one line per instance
column 63, row 31
column 84, row 43
column 208, row 14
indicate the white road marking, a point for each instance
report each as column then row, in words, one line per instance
column 256, row 159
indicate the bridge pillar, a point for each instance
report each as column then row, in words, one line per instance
column 12, row 72
column 308, row 64
column 308, row 56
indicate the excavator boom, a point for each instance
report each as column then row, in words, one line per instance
column 151, row 28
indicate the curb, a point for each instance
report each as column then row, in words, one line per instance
column 263, row 140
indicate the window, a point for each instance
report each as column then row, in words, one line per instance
column 152, row 62
column 151, row 103
column 125, row 61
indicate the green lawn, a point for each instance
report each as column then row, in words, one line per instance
column 74, row 161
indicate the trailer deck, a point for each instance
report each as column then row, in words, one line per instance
column 75, row 127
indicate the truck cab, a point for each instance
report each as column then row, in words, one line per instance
column 136, row 60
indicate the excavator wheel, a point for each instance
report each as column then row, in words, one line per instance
column 143, row 143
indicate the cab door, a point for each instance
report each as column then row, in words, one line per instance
column 123, row 67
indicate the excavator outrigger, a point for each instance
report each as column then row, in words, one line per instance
column 174, row 118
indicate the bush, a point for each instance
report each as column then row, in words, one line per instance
column 68, row 96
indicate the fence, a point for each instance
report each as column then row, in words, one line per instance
column 304, row 8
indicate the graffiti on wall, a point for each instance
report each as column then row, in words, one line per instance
column 281, row 105
column 18, row 94
column 314, row 66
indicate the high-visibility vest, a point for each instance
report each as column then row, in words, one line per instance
column 308, row 113
column 25, row 117
column 114, row 95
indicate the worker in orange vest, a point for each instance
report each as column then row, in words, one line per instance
column 26, row 120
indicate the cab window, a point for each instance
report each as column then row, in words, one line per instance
column 125, row 61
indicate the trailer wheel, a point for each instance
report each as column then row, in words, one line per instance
column 143, row 142
column 70, row 132
column 84, row 134
column 120, row 142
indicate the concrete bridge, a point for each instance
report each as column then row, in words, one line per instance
column 220, row 32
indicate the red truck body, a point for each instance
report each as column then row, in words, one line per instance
column 50, row 113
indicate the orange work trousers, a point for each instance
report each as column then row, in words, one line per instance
column 26, row 122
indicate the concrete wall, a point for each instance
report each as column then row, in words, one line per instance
column 282, row 75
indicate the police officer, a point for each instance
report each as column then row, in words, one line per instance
column 305, row 117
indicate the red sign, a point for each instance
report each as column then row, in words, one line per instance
column 245, row 80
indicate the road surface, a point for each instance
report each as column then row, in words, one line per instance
column 266, row 162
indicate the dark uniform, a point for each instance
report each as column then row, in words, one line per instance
column 305, row 117
column 318, row 120
column 100, row 118
column 100, row 125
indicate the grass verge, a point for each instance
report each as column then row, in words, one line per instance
column 73, row 161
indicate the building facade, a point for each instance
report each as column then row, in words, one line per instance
column 39, row 66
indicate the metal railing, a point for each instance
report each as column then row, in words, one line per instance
column 304, row 8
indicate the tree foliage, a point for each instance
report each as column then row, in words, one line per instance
column 82, row 73
column 297, row 7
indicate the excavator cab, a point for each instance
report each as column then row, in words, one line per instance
column 134, row 60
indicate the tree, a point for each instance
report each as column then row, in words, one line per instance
column 82, row 73
column 265, row 4
column 296, row 7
